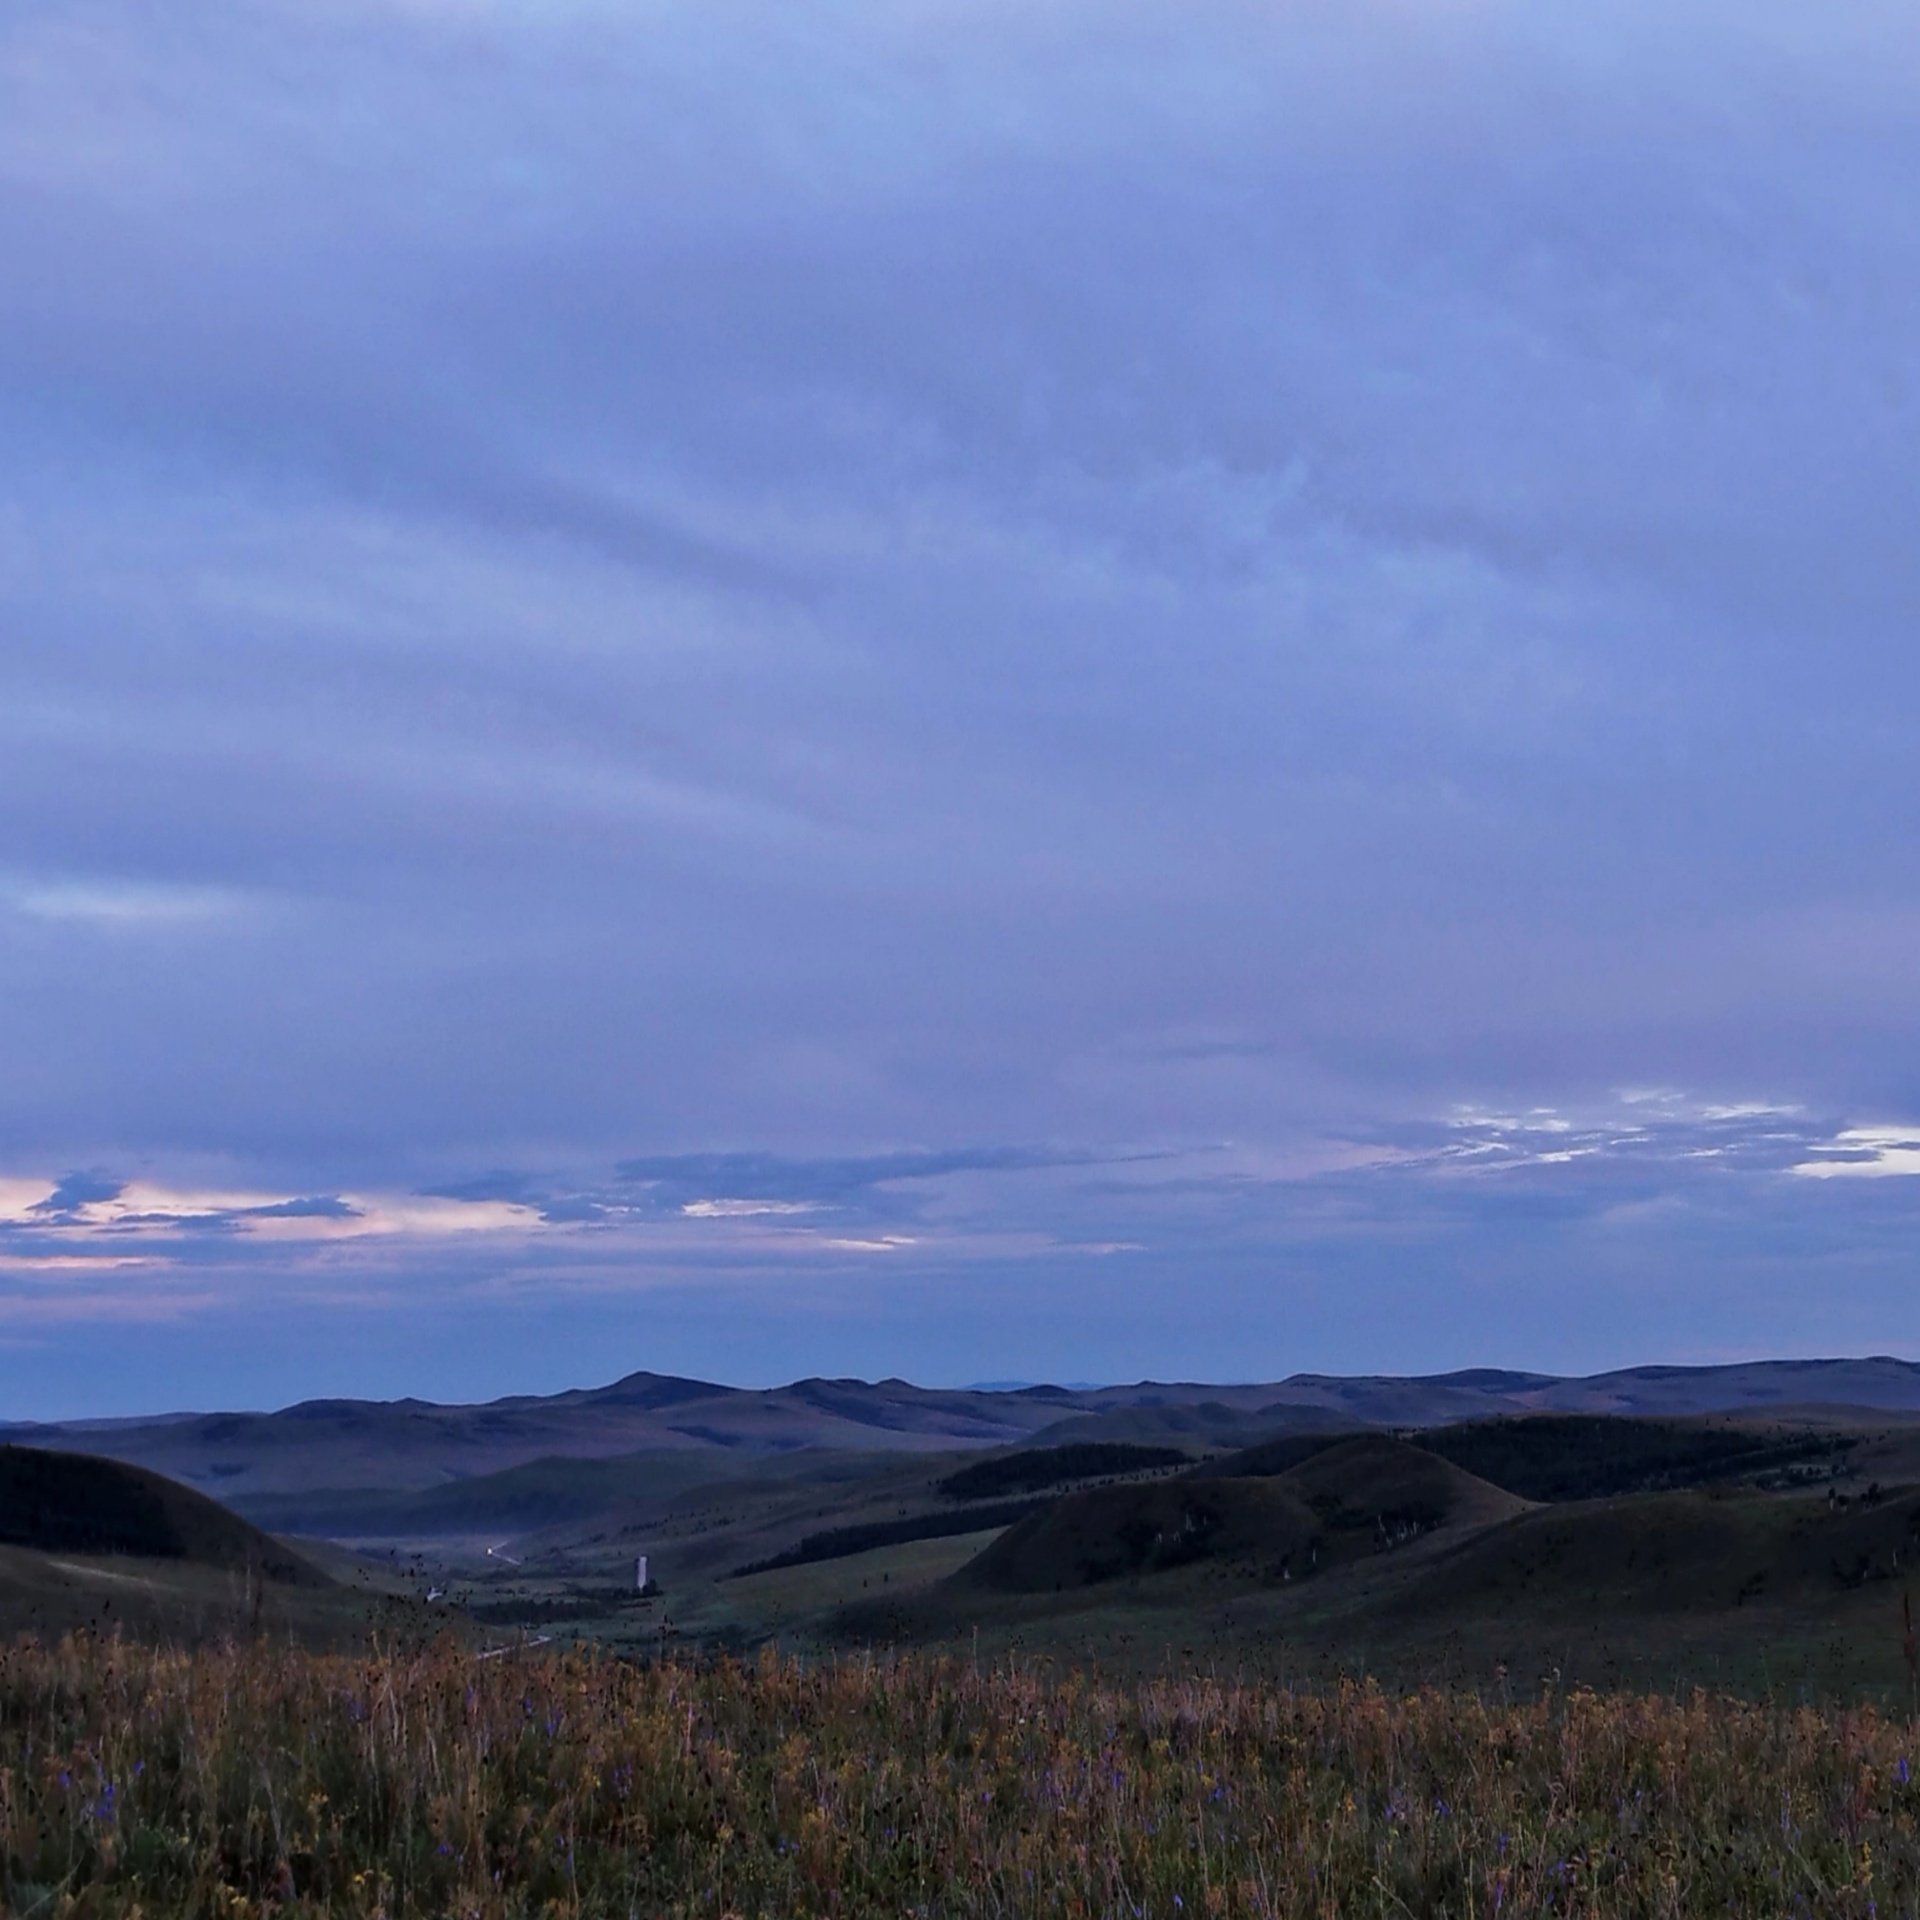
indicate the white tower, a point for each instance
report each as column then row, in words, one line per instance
column 640, row 1574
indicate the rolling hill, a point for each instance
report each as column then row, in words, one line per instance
column 316, row 1459
column 95, row 1544
column 1358, row 1495
column 73, row 1503
column 1684, row 1552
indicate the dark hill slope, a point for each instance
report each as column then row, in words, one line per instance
column 73, row 1503
column 1106, row 1533
column 1204, row 1423
column 1588, row 1456
column 1034, row 1469
column 1673, row 1553
column 1345, row 1500
column 1373, row 1480
column 1267, row 1458
column 1591, row 1456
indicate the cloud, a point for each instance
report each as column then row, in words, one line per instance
column 1664, row 1130
column 99, row 1207
column 705, row 607
column 1268, row 1248
column 775, row 1183
column 743, row 1209
column 324, row 1206
column 123, row 905
column 1867, row 1151
column 73, row 1191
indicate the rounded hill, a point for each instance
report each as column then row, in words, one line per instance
column 1106, row 1533
column 1357, row 1496
column 75, row 1503
column 1373, row 1481
column 1683, row 1551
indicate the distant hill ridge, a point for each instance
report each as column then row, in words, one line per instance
column 337, row 1445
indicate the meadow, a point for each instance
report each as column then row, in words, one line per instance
column 431, row 1781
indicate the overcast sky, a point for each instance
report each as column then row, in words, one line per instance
column 989, row 691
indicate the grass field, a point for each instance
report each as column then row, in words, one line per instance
column 434, row 1782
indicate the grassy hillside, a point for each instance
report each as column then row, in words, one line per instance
column 1265, row 1458
column 190, row 1603
column 1358, row 1495
column 1561, row 1456
column 69, row 1503
column 1678, row 1552
column 1191, row 1425
column 1108, row 1533
column 1033, row 1469
column 841, row 1543
column 99, row 1546
column 1375, row 1555
column 1371, row 1483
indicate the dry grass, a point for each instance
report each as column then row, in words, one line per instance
column 431, row 1782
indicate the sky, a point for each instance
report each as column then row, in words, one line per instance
column 981, row 691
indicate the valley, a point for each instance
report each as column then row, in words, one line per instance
column 1743, row 1540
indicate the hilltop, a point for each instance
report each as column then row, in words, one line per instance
column 74, row 1503
column 1344, row 1499
column 97, row 1544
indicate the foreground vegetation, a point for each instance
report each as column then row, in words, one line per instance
column 435, row 1782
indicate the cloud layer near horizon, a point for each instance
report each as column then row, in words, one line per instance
column 1161, row 589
